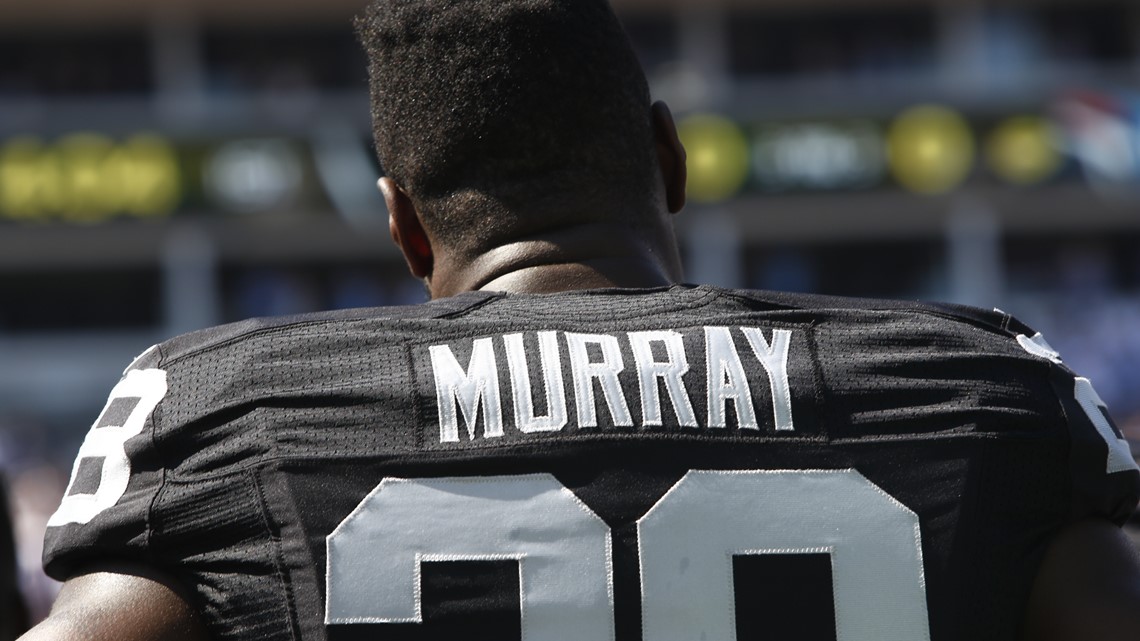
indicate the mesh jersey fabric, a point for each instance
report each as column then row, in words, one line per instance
column 247, row 446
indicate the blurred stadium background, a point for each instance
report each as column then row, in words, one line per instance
column 166, row 166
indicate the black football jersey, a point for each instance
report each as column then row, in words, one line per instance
column 678, row 463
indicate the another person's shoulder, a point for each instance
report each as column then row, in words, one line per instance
column 13, row 616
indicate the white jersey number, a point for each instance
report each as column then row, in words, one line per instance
column 124, row 416
column 686, row 545
column 1119, row 457
column 1119, row 452
column 533, row 519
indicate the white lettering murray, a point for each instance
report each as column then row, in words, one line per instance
column 594, row 363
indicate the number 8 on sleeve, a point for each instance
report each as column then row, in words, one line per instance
column 124, row 417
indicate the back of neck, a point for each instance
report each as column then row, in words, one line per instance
column 582, row 257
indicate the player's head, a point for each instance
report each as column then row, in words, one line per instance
column 501, row 118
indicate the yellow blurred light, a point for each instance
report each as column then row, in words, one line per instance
column 1024, row 150
column 88, row 178
column 717, row 151
column 931, row 149
column 152, row 179
column 29, row 179
column 88, row 196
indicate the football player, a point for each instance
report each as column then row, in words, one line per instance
column 568, row 444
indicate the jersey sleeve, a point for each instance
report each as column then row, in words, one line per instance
column 1104, row 475
column 115, row 479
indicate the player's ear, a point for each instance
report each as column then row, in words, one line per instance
column 407, row 229
column 670, row 156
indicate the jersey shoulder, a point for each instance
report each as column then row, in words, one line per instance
column 927, row 350
column 235, row 391
column 989, row 320
column 209, row 405
column 221, row 336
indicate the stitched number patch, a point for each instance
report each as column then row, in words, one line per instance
column 687, row 543
column 102, row 469
column 562, row 547
column 1119, row 453
column 873, row 541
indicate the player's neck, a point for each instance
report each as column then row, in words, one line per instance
column 593, row 274
column 584, row 257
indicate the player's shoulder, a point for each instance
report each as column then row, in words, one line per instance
column 912, row 354
column 223, row 398
column 228, row 340
column 854, row 308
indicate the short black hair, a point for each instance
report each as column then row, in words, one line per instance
column 500, row 117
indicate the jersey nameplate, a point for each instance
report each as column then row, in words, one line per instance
column 701, row 378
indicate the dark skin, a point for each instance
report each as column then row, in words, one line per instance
column 118, row 602
column 1087, row 588
column 582, row 257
